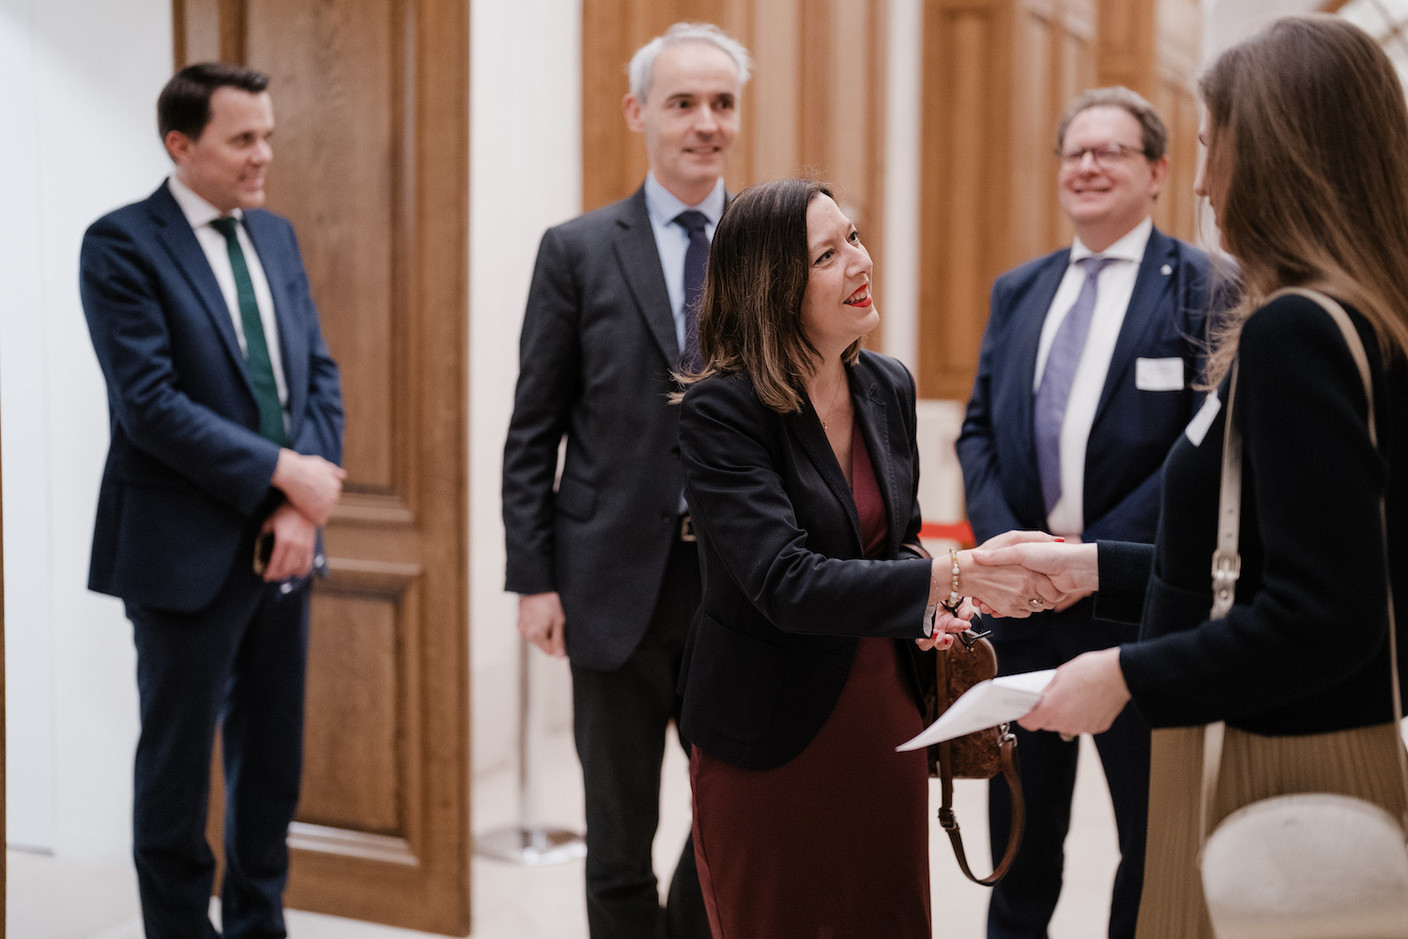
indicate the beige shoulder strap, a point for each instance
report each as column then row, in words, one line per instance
column 1227, row 563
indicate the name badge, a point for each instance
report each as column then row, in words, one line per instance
column 1197, row 428
column 1158, row 374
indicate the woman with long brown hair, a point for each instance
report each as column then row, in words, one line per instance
column 1306, row 130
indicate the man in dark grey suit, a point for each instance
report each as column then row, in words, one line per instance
column 1085, row 378
column 604, row 560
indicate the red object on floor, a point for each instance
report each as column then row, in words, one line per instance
column 960, row 532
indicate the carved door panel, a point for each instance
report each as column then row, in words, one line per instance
column 371, row 165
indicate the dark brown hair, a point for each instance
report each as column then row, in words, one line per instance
column 184, row 104
column 750, row 317
column 1307, row 129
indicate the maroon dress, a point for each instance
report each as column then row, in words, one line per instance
column 834, row 843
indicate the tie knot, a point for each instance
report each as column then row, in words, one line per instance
column 692, row 221
column 1094, row 265
column 226, row 226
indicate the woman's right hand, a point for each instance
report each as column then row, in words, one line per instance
column 1000, row 584
column 1073, row 569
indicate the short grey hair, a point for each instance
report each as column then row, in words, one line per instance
column 1151, row 127
column 643, row 62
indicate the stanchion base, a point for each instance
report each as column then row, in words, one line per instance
column 531, row 847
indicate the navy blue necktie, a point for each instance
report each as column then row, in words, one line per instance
column 256, row 346
column 696, row 260
column 1052, row 395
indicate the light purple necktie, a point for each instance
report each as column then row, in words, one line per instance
column 1049, row 407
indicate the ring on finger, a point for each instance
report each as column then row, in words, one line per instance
column 1038, row 603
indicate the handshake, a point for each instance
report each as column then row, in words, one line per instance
column 1023, row 572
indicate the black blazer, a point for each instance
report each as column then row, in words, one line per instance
column 1304, row 648
column 595, row 362
column 786, row 587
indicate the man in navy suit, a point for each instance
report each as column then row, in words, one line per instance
column 226, row 434
column 1085, row 379
column 604, row 559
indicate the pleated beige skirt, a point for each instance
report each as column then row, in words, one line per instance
column 1360, row 762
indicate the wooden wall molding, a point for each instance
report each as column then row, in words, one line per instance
column 998, row 74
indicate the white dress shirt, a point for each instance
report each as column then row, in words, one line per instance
column 1116, row 287
column 672, row 241
column 200, row 214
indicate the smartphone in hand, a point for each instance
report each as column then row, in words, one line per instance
column 263, row 550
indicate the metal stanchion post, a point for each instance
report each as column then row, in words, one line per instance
column 526, row 844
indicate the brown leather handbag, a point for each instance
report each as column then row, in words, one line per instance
column 980, row 755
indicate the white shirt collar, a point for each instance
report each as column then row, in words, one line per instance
column 1129, row 248
column 198, row 212
column 663, row 206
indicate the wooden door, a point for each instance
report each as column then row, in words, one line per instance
column 371, row 164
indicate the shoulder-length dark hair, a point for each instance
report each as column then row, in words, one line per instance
column 1309, row 130
column 750, row 316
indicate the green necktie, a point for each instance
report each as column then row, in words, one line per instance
column 256, row 356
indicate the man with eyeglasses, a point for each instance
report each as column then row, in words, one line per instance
column 1085, row 379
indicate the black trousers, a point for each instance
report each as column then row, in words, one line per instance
column 241, row 663
column 1022, row 902
column 621, row 724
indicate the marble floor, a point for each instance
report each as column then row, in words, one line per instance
column 48, row 898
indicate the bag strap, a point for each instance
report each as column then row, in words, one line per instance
column 1007, row 755
column 1226, row 565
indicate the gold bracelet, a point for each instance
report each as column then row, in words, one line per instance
column 954, row 599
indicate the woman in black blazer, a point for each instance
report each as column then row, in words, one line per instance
column 799, row 677
column 1299, row 666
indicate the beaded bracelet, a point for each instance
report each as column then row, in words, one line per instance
column 954, row 599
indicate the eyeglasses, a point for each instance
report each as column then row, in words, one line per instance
column 1105, row 155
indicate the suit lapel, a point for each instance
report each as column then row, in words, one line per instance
column 806, row 428
column 1148, row 306
column 179, row 241
column 636, row 253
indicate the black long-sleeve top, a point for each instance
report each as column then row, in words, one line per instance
column 1304, row 648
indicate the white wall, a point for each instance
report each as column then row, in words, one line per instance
column 1229, row 21
column 898, row 297
column 525, row 175
column 30, row 659
column 79, row 107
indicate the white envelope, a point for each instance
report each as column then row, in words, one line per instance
column 986, row 704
